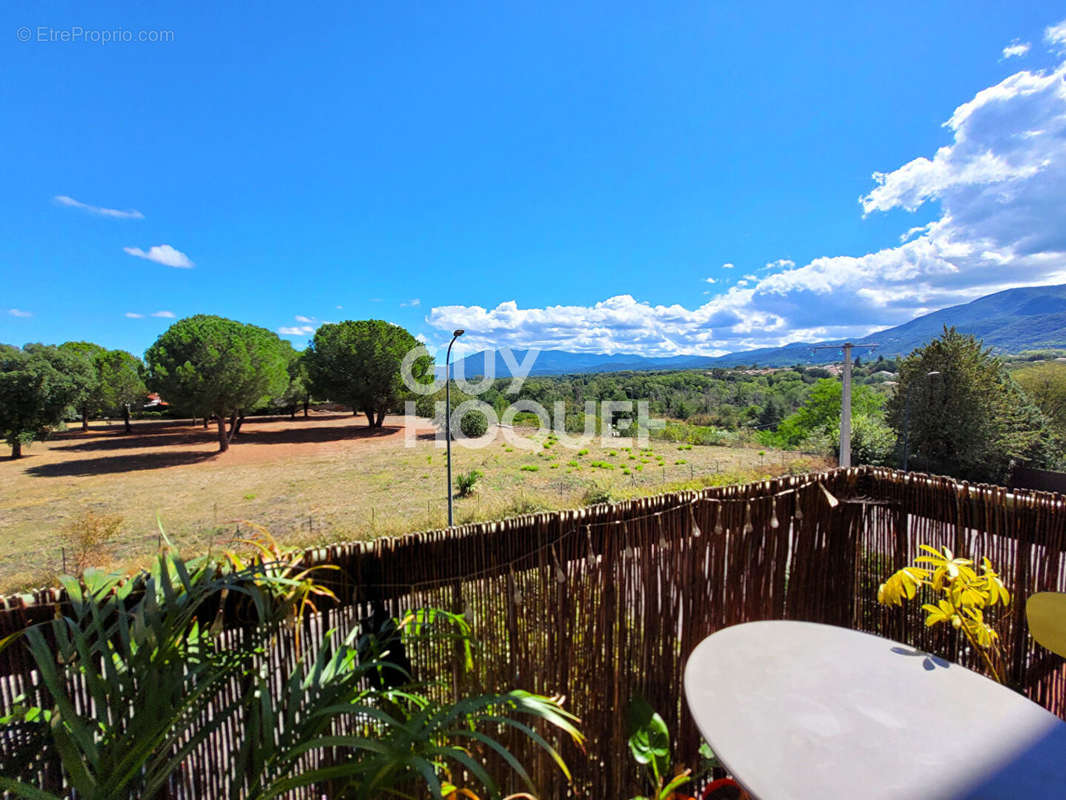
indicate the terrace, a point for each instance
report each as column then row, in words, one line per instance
column 605, row 602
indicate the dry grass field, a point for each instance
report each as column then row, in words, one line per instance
column 324, row 479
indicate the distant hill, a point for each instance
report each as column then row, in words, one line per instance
column 1011, row 321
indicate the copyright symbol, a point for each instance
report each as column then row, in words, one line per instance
column 23, row 34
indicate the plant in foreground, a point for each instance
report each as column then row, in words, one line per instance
column 649, row 742
column 157, row 672
column 961, row 596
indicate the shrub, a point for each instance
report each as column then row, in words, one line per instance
column 598, row 493
column 602, row 465
column 465, row 482
column 474, row 424
column 529, row 468
column 88, row 537
column 524, row 504
column 872, row 441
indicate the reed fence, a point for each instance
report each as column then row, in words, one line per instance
column 604, row 602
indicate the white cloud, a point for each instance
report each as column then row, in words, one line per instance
column 421, row 338
column 114, row 213
column 163, row 314
column 302, row 318
column 1015, row 49
column 339, row 307
column 728, row 265
column 1055, row 36
column 162, row 254
column 751, row 278
column 413, row 302
column 711, row 280
column 134, row 315
column 18, row 312
column 1000, row 186
column 781, row 263
column 296, row 330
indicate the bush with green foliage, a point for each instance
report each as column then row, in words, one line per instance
column 474, row 424
column 466, row 482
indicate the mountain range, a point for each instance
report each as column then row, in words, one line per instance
column 1010, row 321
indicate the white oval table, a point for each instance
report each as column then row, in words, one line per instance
column 806, row 711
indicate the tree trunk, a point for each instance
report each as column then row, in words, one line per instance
column 237, row 427
column 370, row 418
column 205, row 422
column 380, row 419
column 355, row 412
column 126, row 418
column 292, row 412
column 223, row 439
column 232, row 427
column 16, row 449
column 85, row 418
column 307, row 405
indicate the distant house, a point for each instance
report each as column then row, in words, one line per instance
column 155, row 401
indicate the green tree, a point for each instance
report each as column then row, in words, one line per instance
column 213, row 365
column 88, row 400
column 820, row 413
column 963, row 415
column 1046, row 384
column 37, row 385
column 298, row 391
column 358, row 363
column 121, row 383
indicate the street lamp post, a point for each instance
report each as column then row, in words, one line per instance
column 448, row 417
column 907, row 419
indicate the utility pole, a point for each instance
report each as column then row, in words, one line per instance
column 844, row 459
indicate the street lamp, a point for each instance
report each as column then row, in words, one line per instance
column 907, row 419
column 448, row 416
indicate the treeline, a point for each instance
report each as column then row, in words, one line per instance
column 705, row 407
column 207, row 367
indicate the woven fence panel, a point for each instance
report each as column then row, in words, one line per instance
column 602, row 603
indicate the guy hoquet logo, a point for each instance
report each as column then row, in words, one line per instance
column 609, row 417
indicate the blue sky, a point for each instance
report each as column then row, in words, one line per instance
column 540, row 174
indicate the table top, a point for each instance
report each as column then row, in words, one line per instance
column 801, row 710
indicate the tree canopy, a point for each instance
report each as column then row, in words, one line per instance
column 88, row 399
column 298, row 391
column 1046, row 385
column 820, row 413
column 963, row 415
column 212, row 365
column 358, row 363
column 121, row 383
column 37, row 385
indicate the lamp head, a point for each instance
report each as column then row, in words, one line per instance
column 458, row 333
